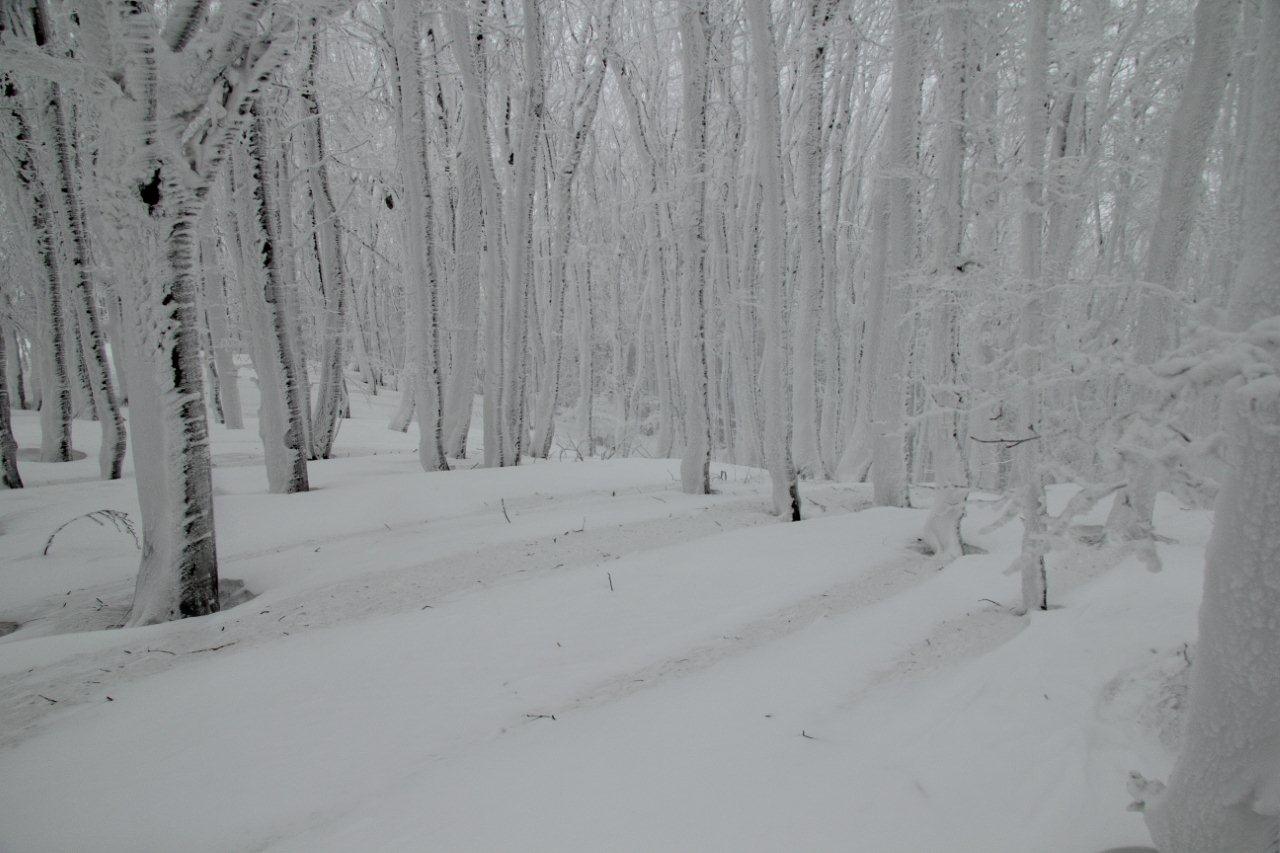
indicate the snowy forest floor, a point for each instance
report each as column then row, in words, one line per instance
column 573, row 656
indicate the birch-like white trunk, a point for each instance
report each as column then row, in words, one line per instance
column 520, row 261
column 215, row 312
column 804, row 328
column 890, row 287
column 9, row 477
column 468, row 56
column 87, row 322
column 1030, row 562
column 422, row 281
column 325, row 418
column 951, row 484
column 1223, row 793
column 773, row 367
column 695, row 42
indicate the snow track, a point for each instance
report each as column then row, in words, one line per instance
column 577, row 656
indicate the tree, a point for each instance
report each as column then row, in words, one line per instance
column 423, row 283
column 333, row 276
column 1222, row 793
column 9, row 476
column 695, row 42
column 773, row 368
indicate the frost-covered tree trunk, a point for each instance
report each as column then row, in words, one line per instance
column 773, row 368
column 561, row 191
column 9, row 477
column 1030, row 561
column 942, row 529
column 215, row 312
column 469, row 58
column 93, row 347
column 115, row 338
column 1175, row 209
column 422, row 281
column 895, row 232
column 586, row 361
column 520, row 245
column 280, row 421
column 460, row 388
column 50, row 349
column 831, row 440
column 656, row 285
column 279, row 164
column 178, row 575
column 1224, row 792
column 14, row 374
column 804, row 388
column 695, row 44
column 333, row 285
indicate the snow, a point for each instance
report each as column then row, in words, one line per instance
column 617, row 666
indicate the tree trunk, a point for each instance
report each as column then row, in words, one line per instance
column 279, row 413
column 1222, row 793
column 773, row 367
column 8, row 447
column 93, row 350
column 333, row 283
column 1175, row 209
column 896, row 234
column 422, row 285
column 1030, row 562
column 695, row 41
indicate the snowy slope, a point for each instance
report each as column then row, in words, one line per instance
column 608, row 664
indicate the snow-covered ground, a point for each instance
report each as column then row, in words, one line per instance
column 573, row 656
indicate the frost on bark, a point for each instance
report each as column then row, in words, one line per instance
column 804, row 389
column 894, row 232
column 423, row 285
column 1030, row 561
column 773, row 368
column 460, row 388
column 520, row 245
column 215, row 313
column 33, row 175
column 942, row 529
column 1224, row 791
column 333, row 285
column 695, row 41
column 93, row 346
column 585, row 103
column 9, row 477
column 469, row 59
column 279, row 411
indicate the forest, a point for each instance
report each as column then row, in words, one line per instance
column 640, row 424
